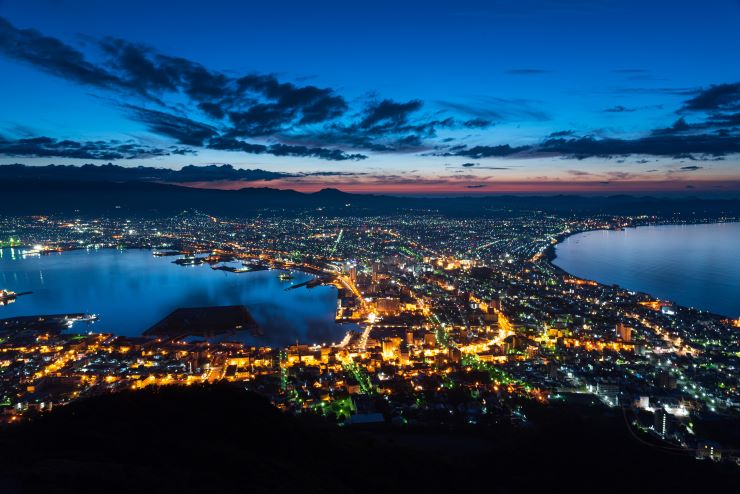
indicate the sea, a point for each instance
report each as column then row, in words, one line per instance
column 693, row 265
column 131, row 290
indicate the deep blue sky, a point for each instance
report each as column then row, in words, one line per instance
column 515, row 71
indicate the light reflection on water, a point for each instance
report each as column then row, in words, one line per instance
column 132, row 290
column 693, row 265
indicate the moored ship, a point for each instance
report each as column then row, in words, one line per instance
column 7, row 297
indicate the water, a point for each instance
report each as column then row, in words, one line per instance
column 132, row 290
column 692, row 265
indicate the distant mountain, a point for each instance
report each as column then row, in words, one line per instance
column 29, row 197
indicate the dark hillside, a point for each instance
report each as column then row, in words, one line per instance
column 224, row 439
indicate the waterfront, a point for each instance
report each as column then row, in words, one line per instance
column 692, row 265
column 131, row 290
column 456, row 329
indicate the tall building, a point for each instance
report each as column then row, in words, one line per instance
column 624, row 332
column 664, row 422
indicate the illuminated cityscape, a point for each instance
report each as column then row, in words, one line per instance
column 457, row 321
column 365, row 247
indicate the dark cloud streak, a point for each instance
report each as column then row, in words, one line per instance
column 43, row 146
column 116, row 173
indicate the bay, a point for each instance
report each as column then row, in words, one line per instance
column 131, row 290
column 693, row 265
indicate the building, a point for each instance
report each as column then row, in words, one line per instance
column 624, row 332
column 664, row 424
column 709, row 450
column 388, row 305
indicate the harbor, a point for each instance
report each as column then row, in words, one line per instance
column 8, row 296
column 131, row 290
column 45, row 323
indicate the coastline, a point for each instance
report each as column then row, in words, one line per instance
column 147, row 252
column 550, row 254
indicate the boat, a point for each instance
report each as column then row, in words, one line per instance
column 7, row 297
column 189, row 261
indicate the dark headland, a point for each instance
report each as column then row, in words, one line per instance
column 204, row 322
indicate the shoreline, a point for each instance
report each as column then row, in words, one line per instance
column 341, row 326
column 550, row 254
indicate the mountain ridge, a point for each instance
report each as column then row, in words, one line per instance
column 34, row 197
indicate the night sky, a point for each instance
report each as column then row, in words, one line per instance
column 412, row 97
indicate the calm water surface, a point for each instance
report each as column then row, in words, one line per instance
column 693, row 265
column 131, row 290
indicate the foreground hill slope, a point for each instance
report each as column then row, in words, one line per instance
column 222, row 438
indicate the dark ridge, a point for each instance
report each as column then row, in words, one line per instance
column 222, row 438
column 29, row 197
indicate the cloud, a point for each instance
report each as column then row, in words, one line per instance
column 188, row 173
column 478, row 152
column 723, row 123
column 477, row 123
column 715, row 97
column 230, row 144
column 691, row 168
column 678, row 126
column 476, row 186
column 562, row 133
column 724, row 120
column 685, row 156
column 190, row 132
column 657, row 145
column 182, row 129
column 311, row 103
column 497, row 109
column 197, row 107
column 52, row 56
column 95, row 150
column 714, row 145
column 388, row 113
column 232, row 107
column 256, row 103
column 286, row 105
column 141, row 70
column 316, row 152
column 619, row 175
column 386, row 126
column 674, row 91
column 619, row 109
column 717, row 135
column 208, row 173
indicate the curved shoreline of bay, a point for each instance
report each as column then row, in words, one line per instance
column 550, row 254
